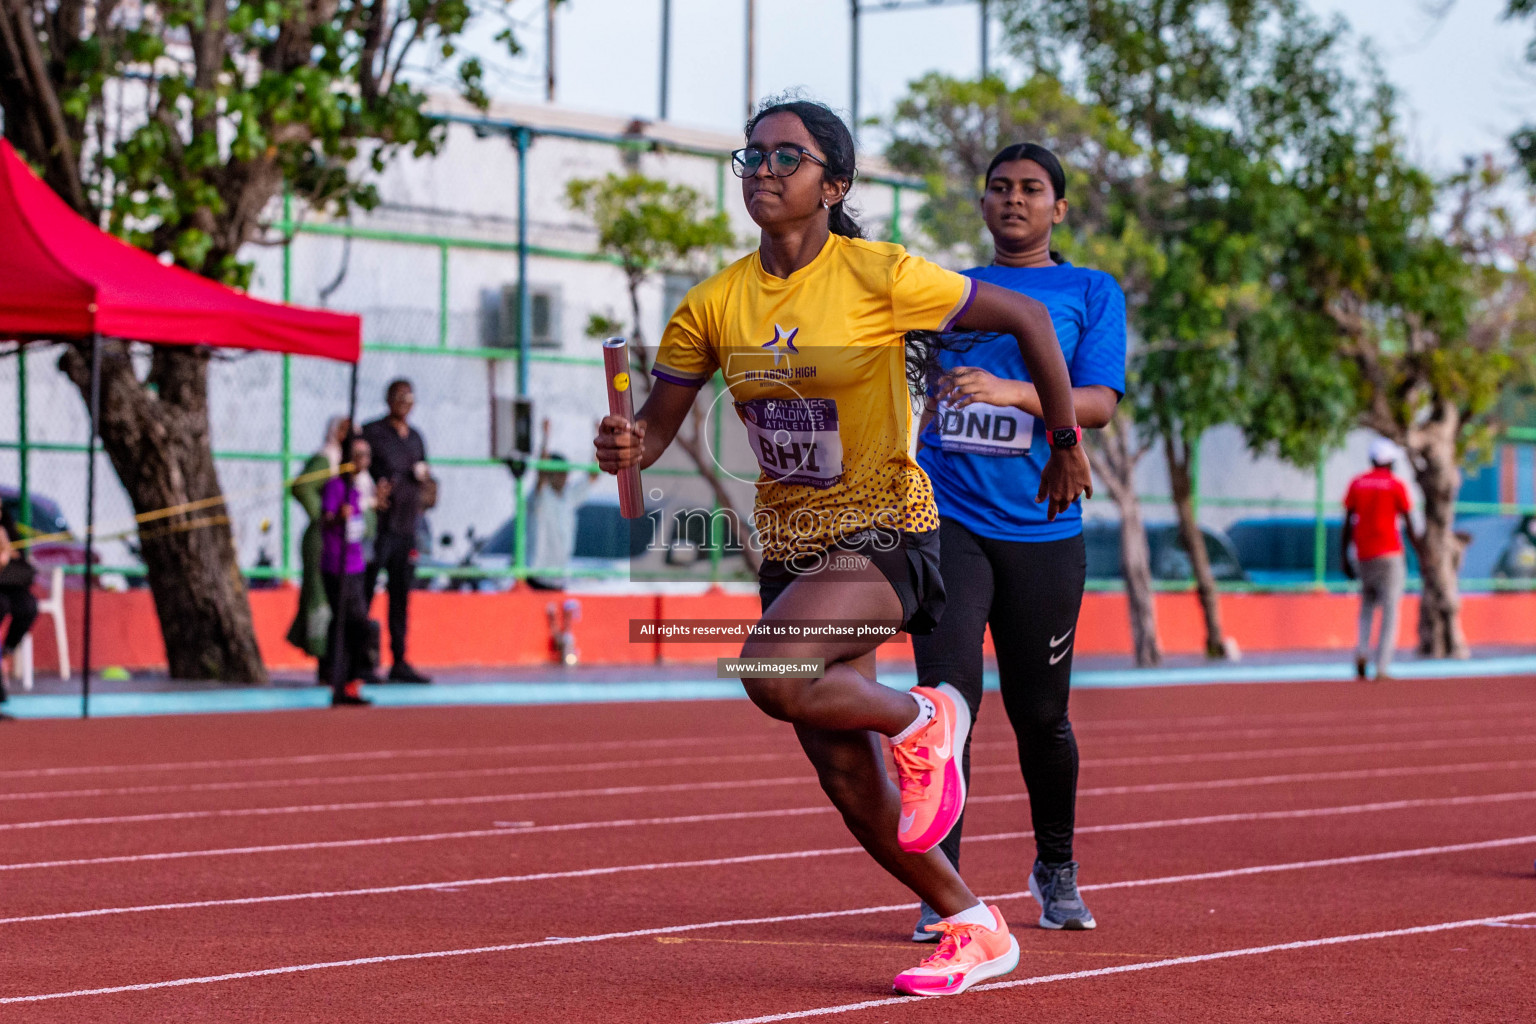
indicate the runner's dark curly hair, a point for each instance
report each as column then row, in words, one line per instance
column 922, row 356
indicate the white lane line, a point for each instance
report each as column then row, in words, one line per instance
column 462, row 773
column 1425, row 713
column 1308, row 812
column 1435, row 715
column 671, row 762
column 348, row 757
column 779, row 919
column 1177, row 961
column 1348, row 729
column 333, row 844
column 745, row 783
column 374, row 805
column 1327, row 750
column 744, row 859
column 1405, row 771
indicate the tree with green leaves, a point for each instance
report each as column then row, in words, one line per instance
column 1210, row 93
column 175, row 125
column 649, row 226
column 1422, row 296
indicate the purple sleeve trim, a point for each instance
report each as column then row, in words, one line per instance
column 672, row 378
column 963, row 308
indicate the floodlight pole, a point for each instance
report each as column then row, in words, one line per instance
column 985, row 64
column 90, row 526
column 549, row 51
column 853, row 85
column 751, row 61
column 666, row 56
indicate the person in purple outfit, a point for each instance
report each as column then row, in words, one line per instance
column 343, row 528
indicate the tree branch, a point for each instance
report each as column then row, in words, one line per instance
column 63, row 172
column 208, row 63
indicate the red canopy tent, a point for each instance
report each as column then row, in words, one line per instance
column 63, row 278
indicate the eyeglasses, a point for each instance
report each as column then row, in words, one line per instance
column 782, row 162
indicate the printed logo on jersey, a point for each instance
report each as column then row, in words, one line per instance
column 982, row 429
column 783, row 344
column 796, row 440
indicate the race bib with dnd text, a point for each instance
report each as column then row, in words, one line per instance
column 981, row 429
column 796, row 439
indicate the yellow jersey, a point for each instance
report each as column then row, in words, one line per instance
column 816, row 363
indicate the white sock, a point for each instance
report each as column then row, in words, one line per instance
column 925, row 713
column 979, row 914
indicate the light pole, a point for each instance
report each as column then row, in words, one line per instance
column 751, row 62
column 666, row 48
column 549, row 51
column 857, row 9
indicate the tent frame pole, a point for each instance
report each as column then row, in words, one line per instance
column 339, row 658
column 90, row 526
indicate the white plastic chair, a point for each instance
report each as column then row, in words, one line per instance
column 53, row 607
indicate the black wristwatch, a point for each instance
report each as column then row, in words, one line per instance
column 1066, row 437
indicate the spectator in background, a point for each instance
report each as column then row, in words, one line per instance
column 346, row 661
column 313, row 619
column 16, row 600
column 552, row 516
column 1374, row 503
column 400, row 460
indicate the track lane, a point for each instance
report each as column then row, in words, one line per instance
column 628, row 966
column 1173, row 848
column 1250, row 905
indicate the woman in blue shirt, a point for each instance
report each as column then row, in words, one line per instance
column 983, row 445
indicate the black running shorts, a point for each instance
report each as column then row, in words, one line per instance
column 910, row 561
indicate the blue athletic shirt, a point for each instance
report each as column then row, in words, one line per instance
column 985, row 462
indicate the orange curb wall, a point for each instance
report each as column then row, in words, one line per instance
column 451, row 630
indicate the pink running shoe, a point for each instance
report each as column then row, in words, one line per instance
column 967, row 953
column 928, row 767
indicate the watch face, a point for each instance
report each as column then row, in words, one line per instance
column 1063, row 437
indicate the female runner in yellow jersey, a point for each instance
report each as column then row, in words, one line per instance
column 809, row 332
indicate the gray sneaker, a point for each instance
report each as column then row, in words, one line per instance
column 925, row 918
column 1054, row 887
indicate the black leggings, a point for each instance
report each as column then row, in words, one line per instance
column 349, row 631
column 392, row 554
column 21, row 606
column 1030, row 593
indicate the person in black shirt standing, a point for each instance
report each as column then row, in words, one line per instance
column 400, row 467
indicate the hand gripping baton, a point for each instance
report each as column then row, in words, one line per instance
column 620, row 403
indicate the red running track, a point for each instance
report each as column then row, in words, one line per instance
column 1296, row 852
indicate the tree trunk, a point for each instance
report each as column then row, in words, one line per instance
column 1432, row 451
column 1179, row 456
column 158, row 441
column 1114, row 455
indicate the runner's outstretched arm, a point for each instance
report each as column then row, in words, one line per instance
column 620, row 445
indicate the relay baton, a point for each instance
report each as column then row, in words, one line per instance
column 621, row 403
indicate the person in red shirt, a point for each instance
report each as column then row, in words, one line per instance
column 1374, row 503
